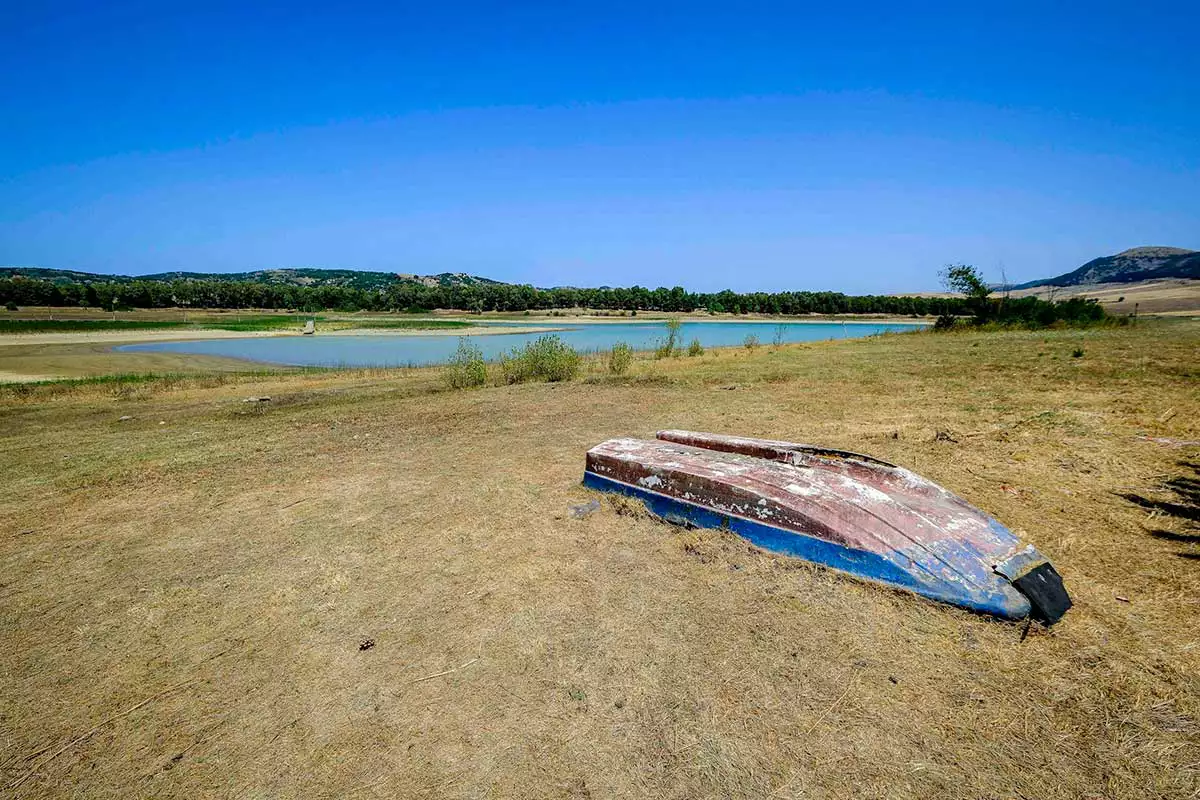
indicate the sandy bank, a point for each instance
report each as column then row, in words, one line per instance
column 475, row 330
column 124, row 337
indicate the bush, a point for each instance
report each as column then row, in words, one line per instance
column 466, row 367
column 667, row 348
column 751, row 342
column 695, row 348
column 546, row 358
column 11, row 306
column 619, row 358
column 1014, row 312
column 1077, row 352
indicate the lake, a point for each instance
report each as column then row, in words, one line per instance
column 408, row 349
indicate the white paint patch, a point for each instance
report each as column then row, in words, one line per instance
column 872, row 494
column 804, row 491
column 651, row 481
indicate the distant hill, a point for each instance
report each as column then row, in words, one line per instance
column 1130, row 266
column 349, row 278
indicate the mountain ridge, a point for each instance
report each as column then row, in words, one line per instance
column 1134, row 265
column 1129, row 266
column 292, row 276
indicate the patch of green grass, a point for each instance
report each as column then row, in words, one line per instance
column 409, row 324
column 252, row 324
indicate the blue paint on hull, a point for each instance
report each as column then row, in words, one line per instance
column 1003, row 602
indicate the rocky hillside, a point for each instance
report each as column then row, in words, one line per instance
column 1137, row 264
column 346, row 278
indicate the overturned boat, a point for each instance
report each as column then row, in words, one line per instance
column 845, row 510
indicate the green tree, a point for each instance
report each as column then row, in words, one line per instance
column 966, row 280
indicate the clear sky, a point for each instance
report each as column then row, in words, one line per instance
column 752, row 146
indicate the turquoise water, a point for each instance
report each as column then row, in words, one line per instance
column 407, row 349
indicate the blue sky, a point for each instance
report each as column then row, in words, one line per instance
column 752, row 146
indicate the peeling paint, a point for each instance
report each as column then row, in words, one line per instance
column 876, row 520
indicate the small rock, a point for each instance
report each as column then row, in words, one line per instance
column 1122, row 599
column 366, row 644
column 162, row 422
column 584, row 510
column 893, row 679
column 257, row 400
column 124, row 418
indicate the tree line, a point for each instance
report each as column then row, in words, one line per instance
column 984, row 308
column 411, row 296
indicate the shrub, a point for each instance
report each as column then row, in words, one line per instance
column 751, row 341
column 667, row 348
column 619, row 358
column 945, row 322
column 466, row 367
column 11, row 306
column 1077, row 352
column 546, row 358
column 695, row 348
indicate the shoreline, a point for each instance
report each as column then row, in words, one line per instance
column 501, row 327
column 643, row 320
column 65, row 355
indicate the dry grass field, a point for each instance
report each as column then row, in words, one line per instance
column 1169, row 296
column 371, row 587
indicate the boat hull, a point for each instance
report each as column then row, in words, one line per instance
column 842, row 510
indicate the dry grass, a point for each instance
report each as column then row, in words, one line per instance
column 55, row 361
column 1168, row 296
column 226, row 562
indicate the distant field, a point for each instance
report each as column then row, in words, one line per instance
column 1150, row 297
column 1171, row 297
column 370, row 586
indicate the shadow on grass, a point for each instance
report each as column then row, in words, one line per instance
column 1182, row 501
